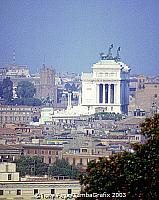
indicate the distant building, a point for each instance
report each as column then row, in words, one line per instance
column 17, row 114
column 49, row 153
column 31, row 188
column 46, row 115
column 2, row 73
column 10, row 152
column 107, row 86
column 82, row 156
column 141, row 80
column 8, row 172
column 8, row 134
column 47, row 88
column 14, row 71
column 146, row 99
column 43, row 82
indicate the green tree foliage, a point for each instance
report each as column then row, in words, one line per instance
column 135, row 175
column 25, row 89
column 25, row 92
column 7, row 90
column 107, row 116
column 63, row 168
column 31, row 166
column 150, row 127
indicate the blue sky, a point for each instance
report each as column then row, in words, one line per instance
column 72, row 33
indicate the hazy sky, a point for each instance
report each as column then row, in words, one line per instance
column 72, row 33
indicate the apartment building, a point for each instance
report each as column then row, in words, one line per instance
column 16, row 114
column 13, row 187
column 49, row 153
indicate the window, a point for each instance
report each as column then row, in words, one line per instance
column 52, row 191
column 155, row 95
column 18, row 192
column 49, row 160
column 36, row 191
column 9, row 176
column 80, row 161
column 6, row 168
column 49, row 152
column 1, row 192
column 84, row 150
column 111, row 108
column 69, row 191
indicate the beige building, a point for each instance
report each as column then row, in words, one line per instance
column 146, row 98
column 81, row 156
column 14, row 188
column 8, row 172
column 141, row 80
column 14, row 70
column 10, row 152
column 17, row 114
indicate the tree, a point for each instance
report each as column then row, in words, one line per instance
column 25, row 93
column 150, row 127
column 134, row 175
column 108, row 116
column 31, row 166
column 26, row 89
column 63, row 168
column 7, row 90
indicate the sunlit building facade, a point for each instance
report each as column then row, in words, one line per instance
column 107, row 86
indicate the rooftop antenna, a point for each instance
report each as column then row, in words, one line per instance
column 44, row 61
column 13, row 56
